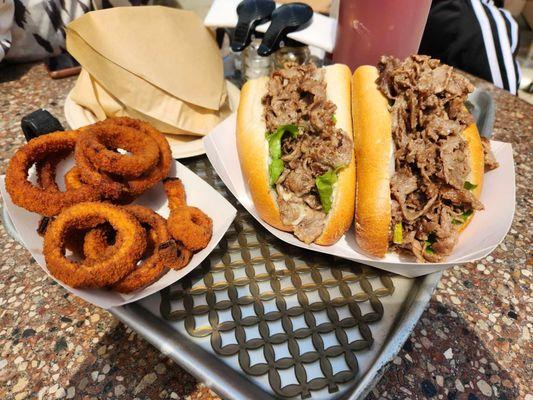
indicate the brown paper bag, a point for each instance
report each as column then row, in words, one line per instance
column 167, row 47
column 92, row 96
column 192, row 98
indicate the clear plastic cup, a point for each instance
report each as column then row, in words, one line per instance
column 368, row 29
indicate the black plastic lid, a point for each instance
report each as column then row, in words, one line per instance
column 285, row 19
column 39, row 123
column 251, row 13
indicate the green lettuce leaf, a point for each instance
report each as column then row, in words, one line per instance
column 274, row 139
column 324, row 184
column 397, row 234
column 432, row 238
column 469, row 186
column 274, row 149
column 275, row 169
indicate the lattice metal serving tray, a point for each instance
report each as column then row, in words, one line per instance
column 263, row 319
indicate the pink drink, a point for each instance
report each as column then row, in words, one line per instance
column 368, row 29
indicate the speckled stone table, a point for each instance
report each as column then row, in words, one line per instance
column 473, row 341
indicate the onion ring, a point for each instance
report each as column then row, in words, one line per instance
column 114, row 187
column 155, row 265
column 40, row 200
column 90, row 273
column 137, row 186
column 100, row 140
column 73, row 179
column 190, row 226
column 175, row 193
column 46, row 171
column 99, row 243
column 183, row 256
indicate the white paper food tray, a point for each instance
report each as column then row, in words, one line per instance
column 199, row 194
column 487, row 229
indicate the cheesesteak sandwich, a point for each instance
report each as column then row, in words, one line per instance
column 420, row 159
column 295, row 145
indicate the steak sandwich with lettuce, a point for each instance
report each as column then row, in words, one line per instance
column 295, row 145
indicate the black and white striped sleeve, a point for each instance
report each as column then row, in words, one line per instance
column 475, row 36
column 500, row 38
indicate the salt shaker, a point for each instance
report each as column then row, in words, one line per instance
column 254, row 65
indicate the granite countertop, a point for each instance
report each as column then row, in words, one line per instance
column 473, row 341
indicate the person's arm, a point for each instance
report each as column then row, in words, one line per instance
column 7, row 12
column 475, row 36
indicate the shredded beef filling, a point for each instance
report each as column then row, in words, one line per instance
column 490, row 160
column 297, row 95
column 429, row 196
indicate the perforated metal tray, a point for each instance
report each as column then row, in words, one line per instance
column 264, row 319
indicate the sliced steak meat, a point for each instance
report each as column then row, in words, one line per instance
column 461, row 197
column 310, row 227
column 299, row 181
column 297, row 95
column 490, row 160
column 426, row 100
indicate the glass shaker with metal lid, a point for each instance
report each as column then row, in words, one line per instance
column 257, row 49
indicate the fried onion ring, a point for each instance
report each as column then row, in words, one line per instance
column 100, row 140
column 113, row 186
column 100, row 242
column 91, row 273
column 163, row 254
column 183, row 256
column 160, row 171
column 46, row 171
column 40, row 200
column 190, row 226
column 175, row 193
column 73, row 179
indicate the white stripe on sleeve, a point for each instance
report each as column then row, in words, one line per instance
column 488, row 40
column 505, row 47
column 514, row 29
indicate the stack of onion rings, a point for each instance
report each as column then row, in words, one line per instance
column 123, row 248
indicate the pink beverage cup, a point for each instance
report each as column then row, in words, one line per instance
column 368, row 29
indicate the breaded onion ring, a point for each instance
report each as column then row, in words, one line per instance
column 160, row 171
column 43, row 201
column 183, row 256
column 46, row 170
column 115, row 187
column 155, row 265
column 100, row 140
column 99, row 273
column 175, row 193
column 190, row 226
column 99, row 243
column 72, row 179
